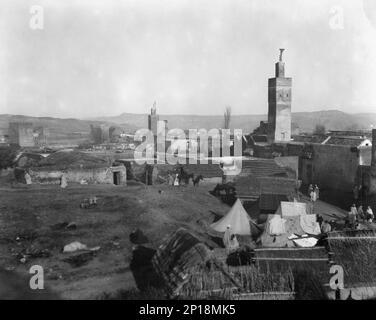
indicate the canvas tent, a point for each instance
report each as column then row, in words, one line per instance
column 296, row 224
column 238, row 219
column 292, row 226
column 289, row 209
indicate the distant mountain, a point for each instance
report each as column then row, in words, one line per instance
column 331, row 119
column 65, row 130
column 55, row 125
column 244, row 122
column 334, row 120
column 61, row 131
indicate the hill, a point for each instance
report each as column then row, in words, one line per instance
column 61, row 131
column 332, row 119
column 71, row 131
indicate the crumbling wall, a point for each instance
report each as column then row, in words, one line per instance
column 291, row 162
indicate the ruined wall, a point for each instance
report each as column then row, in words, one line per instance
column 291, row 162
column 331, row 167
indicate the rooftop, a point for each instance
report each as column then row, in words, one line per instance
column 62, row 160
column 346, row 141
column 271, row 188
column 258, row 167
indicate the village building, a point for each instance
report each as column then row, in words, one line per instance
column 77, row 167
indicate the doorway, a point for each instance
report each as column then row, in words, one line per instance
column 116, row 176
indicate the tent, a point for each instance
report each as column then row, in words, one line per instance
column 238, row 219
column 292, row 227
column 296, row 223
column 289, row 209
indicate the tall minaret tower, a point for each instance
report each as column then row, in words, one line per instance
column 153, row 119
column 279, row 99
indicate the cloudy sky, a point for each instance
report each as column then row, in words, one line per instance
column 95, row 58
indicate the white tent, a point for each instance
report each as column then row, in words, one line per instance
column 289, row 209
column 237, row 218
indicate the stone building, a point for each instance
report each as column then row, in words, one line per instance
column 99, row 133
column 76, row 167
column 21, row 133
column 40, row 135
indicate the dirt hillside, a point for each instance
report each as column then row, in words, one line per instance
column 46, row 210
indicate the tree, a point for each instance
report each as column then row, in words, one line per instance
column 8, row 155
column 227, row 117
column 319, row 129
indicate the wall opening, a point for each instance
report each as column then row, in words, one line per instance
column 116, row 176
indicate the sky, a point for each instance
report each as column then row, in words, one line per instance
column 95, row 58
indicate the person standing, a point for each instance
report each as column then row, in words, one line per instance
column 63, row 181
column 361, row 213
column 313, row 196
column 170, row 179
column 317, row 191
column 353, row 216
column 227, row 238
column 310, row 189
column 370, row 215
column 325, row 227
column 176, row 181
column 27, row 178
column 233, row 244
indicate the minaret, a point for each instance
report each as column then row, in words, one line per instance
column 279, row 99
column 153, row 119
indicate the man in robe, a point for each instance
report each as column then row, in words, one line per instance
column 63, row 181
column 233, row 244
column 370, row 215
column 227, row 237
column 27, row 178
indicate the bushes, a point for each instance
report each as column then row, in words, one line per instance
column 8, row 155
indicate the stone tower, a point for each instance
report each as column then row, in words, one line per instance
column 279, row 99
column 21, row 133
column 153, row 119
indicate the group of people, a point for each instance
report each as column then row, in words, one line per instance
column 325, row 226
column 230, row 241
column 173, row 179
column 358, row 215
column 313, row 192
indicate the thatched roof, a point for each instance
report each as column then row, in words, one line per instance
column 355, row 251
column 176, row 256
column 188, row 267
